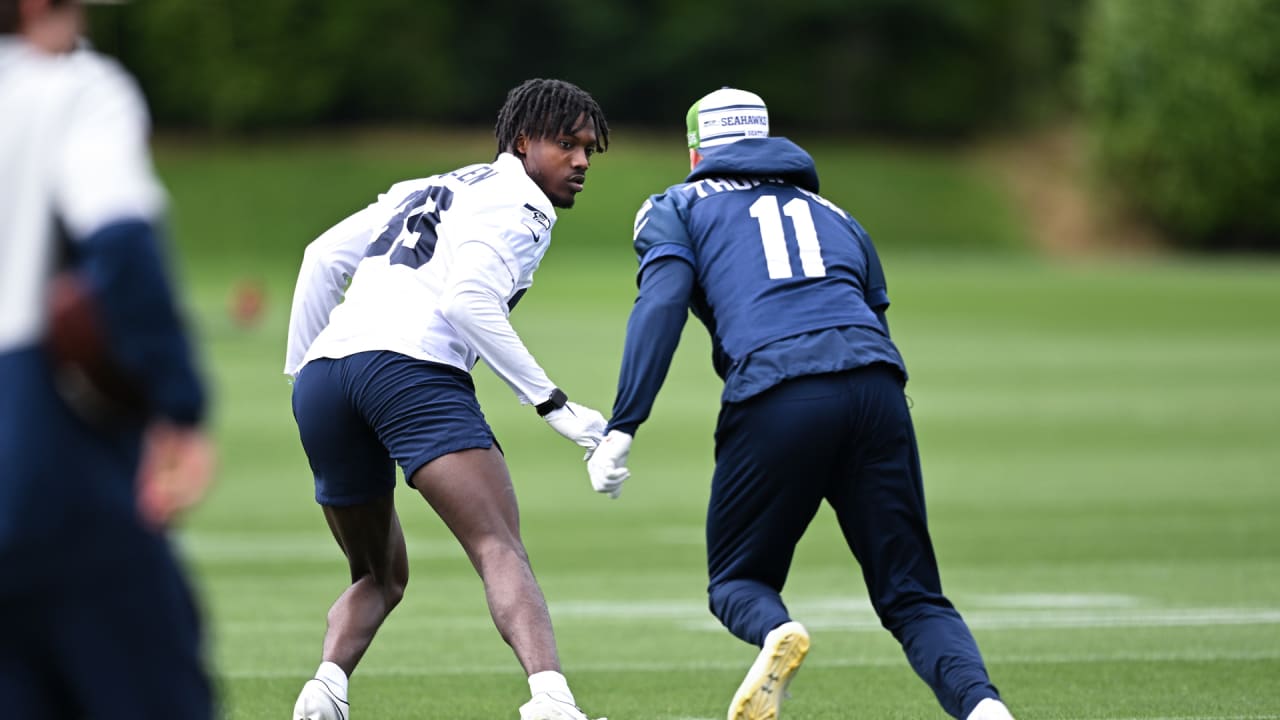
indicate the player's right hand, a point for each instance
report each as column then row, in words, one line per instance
column 176, row 471
column 607, row 466
column 579, row 423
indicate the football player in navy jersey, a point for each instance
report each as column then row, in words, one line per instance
column 96, row 617
column 382, row 370
column 791, row 290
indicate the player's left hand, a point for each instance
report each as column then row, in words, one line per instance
column 578, row 423
column 607, row 465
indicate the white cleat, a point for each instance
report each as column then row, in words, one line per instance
column 990, row 709
column 761, row 691
column 545, row 706
column 317, row 701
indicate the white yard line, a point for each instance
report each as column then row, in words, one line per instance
column 740, row 664
column 1197, row 718
column 840, row 615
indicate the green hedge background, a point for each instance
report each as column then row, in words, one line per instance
column 921, row 67
column 1184, row 99
column 1178, row 97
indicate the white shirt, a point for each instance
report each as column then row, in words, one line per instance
column 433, row 267
column 73, row 152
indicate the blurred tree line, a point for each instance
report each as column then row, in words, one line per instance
column 1181, row 93
column 1183, row 99
column 919, row 67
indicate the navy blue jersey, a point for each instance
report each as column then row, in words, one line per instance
column 786, row 283
column 791, row 290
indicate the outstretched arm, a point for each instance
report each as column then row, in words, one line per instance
column 475, row 305
column 653, row 332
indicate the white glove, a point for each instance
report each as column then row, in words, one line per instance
column 577, row 422
column 607, row 466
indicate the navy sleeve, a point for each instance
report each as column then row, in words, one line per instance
column 123, row 266
column 874, row 285
column 660, row 228
column 653, row 332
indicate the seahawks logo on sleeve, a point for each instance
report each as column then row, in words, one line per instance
column 536, row 220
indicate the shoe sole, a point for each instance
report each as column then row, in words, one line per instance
column 760, row 694
column 551, row 709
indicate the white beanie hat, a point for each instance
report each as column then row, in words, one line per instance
column 725, row 116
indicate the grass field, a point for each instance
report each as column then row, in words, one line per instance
column 1100, row 445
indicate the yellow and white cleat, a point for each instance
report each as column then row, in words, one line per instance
column 761, row 692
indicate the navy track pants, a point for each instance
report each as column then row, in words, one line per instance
column 846, row 438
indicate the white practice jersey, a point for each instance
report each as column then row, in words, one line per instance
column 73, row 159
column 431, row 271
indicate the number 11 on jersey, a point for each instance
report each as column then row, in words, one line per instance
column 774, row 239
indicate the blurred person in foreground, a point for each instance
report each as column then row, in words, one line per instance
column 813, row 408
column 96, row 618
column 382, row 377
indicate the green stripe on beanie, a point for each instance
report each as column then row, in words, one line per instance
column 726, row 116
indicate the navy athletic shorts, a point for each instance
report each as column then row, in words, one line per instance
column 360, row 416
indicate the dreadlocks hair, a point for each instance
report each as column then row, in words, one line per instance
column 541, row 108
column 8, row 16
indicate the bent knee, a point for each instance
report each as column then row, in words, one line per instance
column 725, row 595
column 390, row 585
column 915, row 610
column 393, row 593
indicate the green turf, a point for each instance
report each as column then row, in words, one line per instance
column 1099, row 443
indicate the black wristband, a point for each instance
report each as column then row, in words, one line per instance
column 555, row 402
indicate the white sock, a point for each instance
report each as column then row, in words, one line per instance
column 334, row 677
column 551, row 683
column 990, row 709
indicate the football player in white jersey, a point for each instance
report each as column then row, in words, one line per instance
column 96, row 618
column 392, row 309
